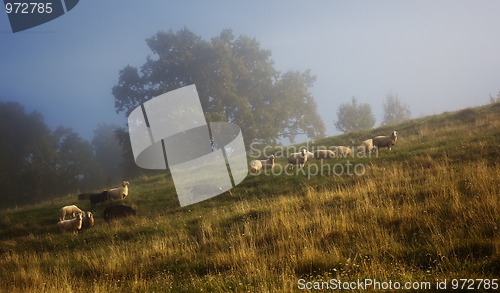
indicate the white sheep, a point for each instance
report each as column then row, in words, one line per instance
column 365, row 147
column 72, row 225
column 324, row 154
column 297, row 158
column 342, row 152
column 119, row 192
column 257, row 165
column 71, row 210
column 385, row 141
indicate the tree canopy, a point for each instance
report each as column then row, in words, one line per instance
column 354, row 116
column 395, row 110
column 38, row 163
column 235, row 79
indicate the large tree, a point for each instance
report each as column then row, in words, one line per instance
column 395, row 110
column 37, row 163
column 26, row 155
column 354, row 116
column 235, row 79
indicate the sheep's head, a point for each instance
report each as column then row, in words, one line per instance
column 394, row 134
column 125, row 183
column 90, row 218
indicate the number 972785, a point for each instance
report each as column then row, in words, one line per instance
column 28, row 8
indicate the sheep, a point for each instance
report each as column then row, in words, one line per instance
column 118, row 211
column 385, row 141
column 119, row 192
column 71, row 210
column 72, row 225
column 97, row 198
column 297, row 158
column 324, row 154
column 85, row 196
column 88, row 221
column 113, row 194
column 310, row 155
column 257, row 165
column 365, row 147
column 342, row 151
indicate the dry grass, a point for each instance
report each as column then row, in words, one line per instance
column 429, row 216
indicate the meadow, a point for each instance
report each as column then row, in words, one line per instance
column 424, row 212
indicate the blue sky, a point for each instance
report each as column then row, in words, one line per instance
column 436, row 55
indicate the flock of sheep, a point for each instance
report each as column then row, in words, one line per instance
column 300, row 158
column 73, row 219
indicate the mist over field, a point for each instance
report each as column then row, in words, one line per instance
column 395, row 105
column 422, row 214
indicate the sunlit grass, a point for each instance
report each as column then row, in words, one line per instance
column 427, row 209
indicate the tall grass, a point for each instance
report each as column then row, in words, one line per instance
column 417, row 214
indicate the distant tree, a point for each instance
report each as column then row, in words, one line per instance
column 495, row 99
column 395, row 110
column 25, row 155
column 108, row 153
column 37, row 163
column 353, row 116
column 128, row 166
column 76, row 165
column 236, row 82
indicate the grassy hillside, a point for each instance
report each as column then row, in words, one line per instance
column 427, row 210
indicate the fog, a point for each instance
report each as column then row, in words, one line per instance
column 435, row 55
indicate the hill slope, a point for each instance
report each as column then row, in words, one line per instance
column 426, row 210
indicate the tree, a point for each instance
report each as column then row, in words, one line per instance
column 108, row 153
column 76, row 165
column 353, row 116
column 495, row 99
column 394, row 110
column 26, row 155
column 37, row 163
column 236, row 82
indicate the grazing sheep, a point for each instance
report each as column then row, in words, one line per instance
column 257, row 165
column 297, row 158
column 98, row 198
column 342, row 151
column 118, row 211
column 71, row 211
column 84, row 196
column 88, row 221
column 385, row 141
column 72, row 225
column 324, row 154
column 366, row 146
column 119, row 192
